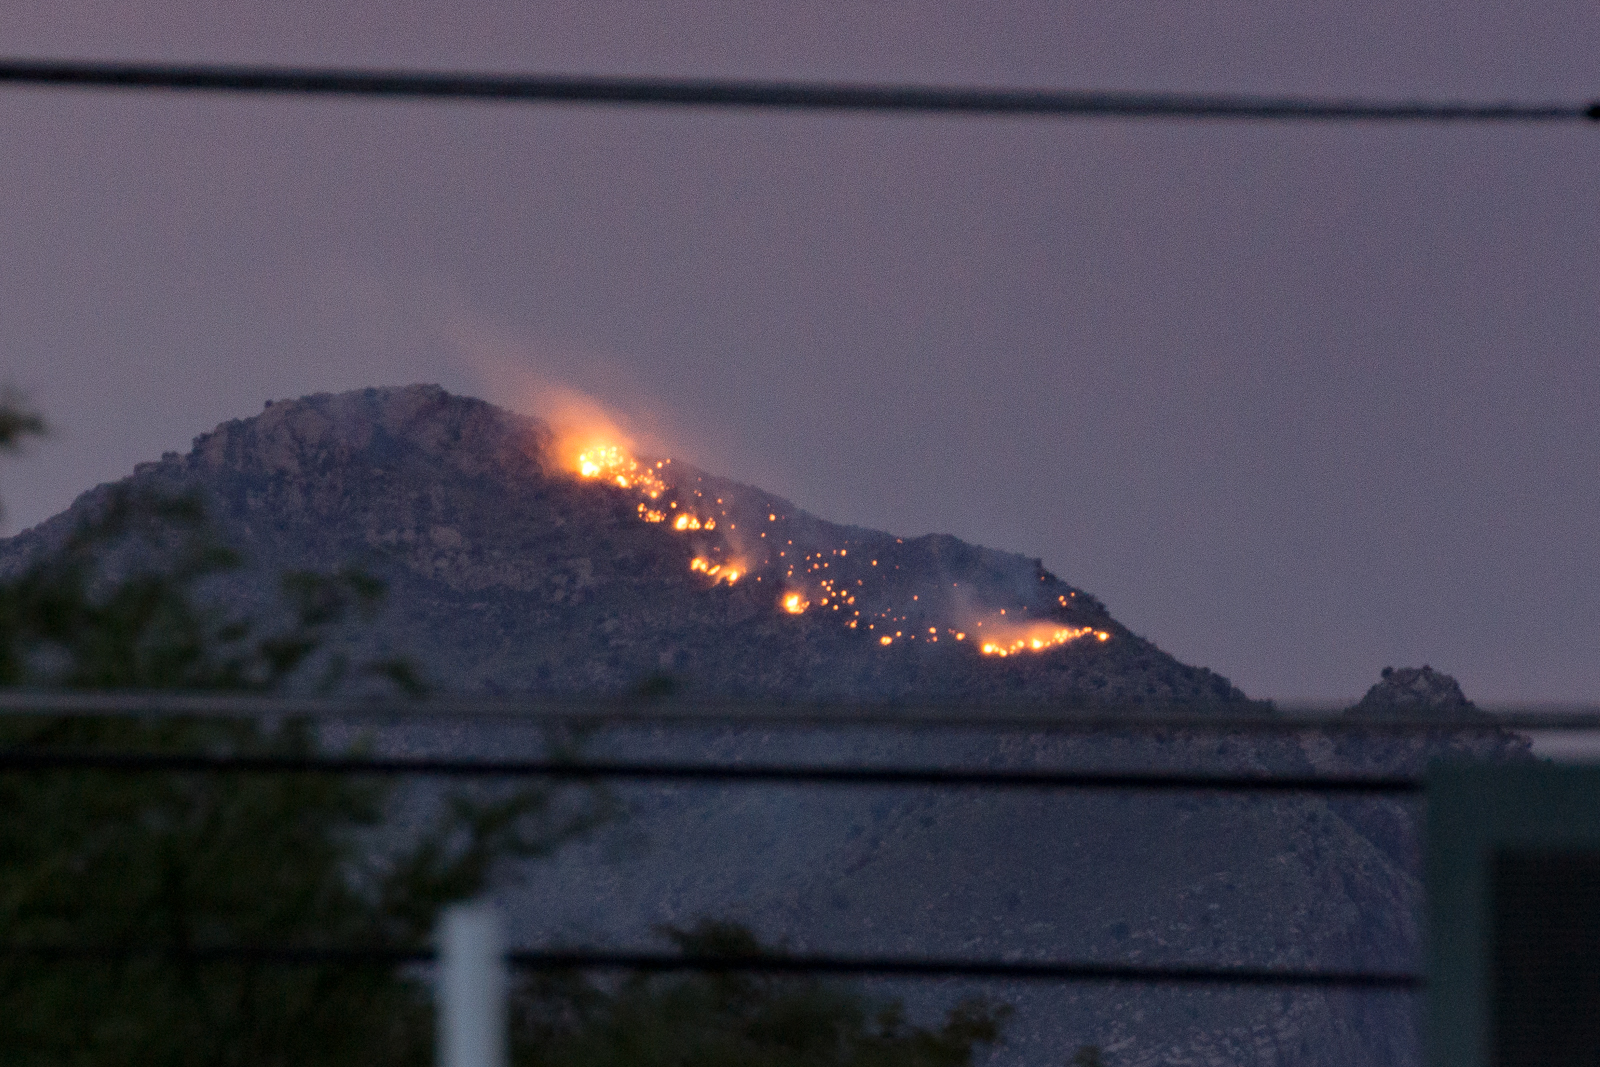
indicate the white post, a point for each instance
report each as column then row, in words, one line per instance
column 472, row 988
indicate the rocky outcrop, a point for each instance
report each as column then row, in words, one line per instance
column 1414, row 692
column 1422, row 694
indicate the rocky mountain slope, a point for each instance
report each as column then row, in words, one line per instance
column 512, row 570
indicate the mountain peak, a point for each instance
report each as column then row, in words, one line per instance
column 300, row 436
column 527, row 558
column 1415, row 691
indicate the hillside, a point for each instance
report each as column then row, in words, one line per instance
column 514, row 569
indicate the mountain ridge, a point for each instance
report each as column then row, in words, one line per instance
column 553, row 585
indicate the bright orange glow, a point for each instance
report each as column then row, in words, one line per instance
column 729, row 572
column 1010, row 639
column 612, row 463
column 601, row 454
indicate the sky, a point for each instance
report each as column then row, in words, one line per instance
column 1296, row 401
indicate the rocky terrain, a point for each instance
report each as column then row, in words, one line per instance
column 513, row 568
column 511, row 573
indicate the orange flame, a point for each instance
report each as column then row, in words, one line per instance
column 1015, row 638
column 591, row 443
column 597, row 451
column 602, row 459
column 610, row 463
column 686, row 521
column 718, row 572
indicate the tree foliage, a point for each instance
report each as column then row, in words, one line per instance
column 733, row 1020
column 18, row 422
column 143, row 874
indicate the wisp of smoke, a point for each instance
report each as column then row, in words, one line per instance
column 519, row 376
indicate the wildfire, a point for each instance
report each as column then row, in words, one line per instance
column 615, row 465
column 1037, row 638
column 719, row 572
column 610, row 463
column 824, row 574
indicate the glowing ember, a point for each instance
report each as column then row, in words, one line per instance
column 1037, row 638
column 610, row 463
column 720, row 572
column 691, row 513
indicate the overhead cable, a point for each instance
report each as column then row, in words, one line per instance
column 630, row 712
column 770, row 95
column 762, row 963
column 48, row 759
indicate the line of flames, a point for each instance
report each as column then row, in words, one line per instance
column 614, row 466
column 1040, row 637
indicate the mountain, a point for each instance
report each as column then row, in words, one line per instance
column 513, row 569
column 526, row 559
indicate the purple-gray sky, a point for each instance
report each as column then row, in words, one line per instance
column 1296, row 401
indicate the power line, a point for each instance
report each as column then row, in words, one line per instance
column 771, row 95
column 45, row 759
column 637, row 712
column 995, row 969
column 764, row 963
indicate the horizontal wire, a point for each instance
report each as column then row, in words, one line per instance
column 783, row 95
column 854, row 966
column 637, row 712
column 45, row 759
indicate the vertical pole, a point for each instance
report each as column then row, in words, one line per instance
column 472, row 988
